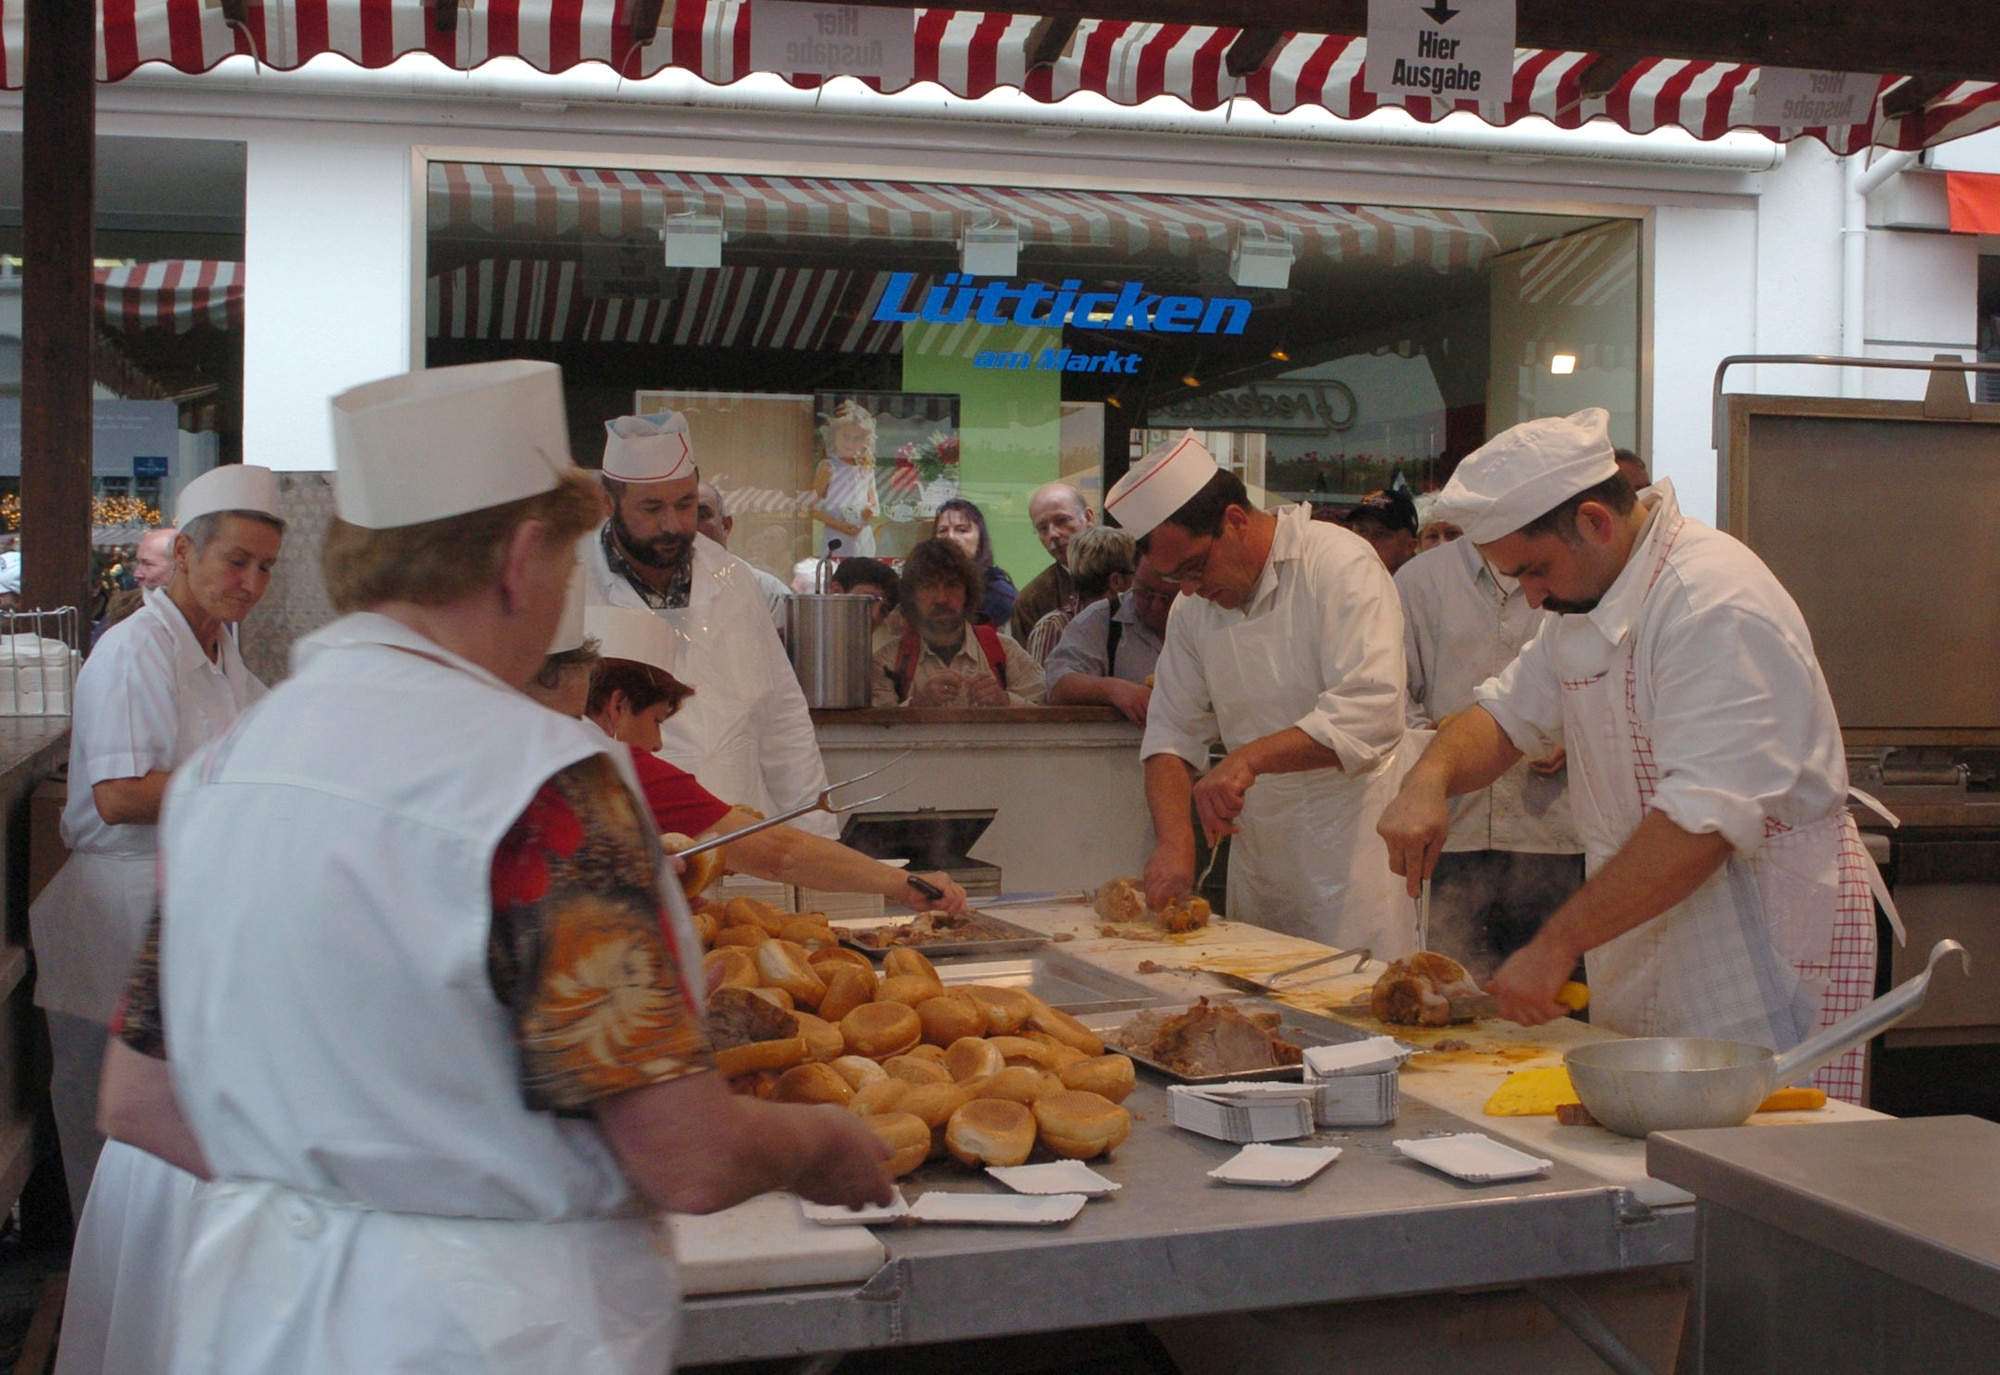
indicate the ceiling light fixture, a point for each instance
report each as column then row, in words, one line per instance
column 1190, row 380
column 1281, row 355
column 1563, row 364
column 989, row 250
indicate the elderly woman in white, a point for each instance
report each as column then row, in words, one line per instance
column 158, row 686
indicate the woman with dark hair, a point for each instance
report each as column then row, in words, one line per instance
column 959, row 521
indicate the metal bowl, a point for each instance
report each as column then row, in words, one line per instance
column 1670, row 1083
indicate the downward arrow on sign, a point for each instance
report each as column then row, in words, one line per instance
column 1441, row 11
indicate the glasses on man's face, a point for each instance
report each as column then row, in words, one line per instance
column 1194, row 567
column 1143, row 593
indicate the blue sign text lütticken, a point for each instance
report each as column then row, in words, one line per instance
column 961, row 298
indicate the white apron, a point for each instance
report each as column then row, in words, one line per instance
column 1767, row 951
column 405, row 1214
column 118, row 1319
column 1306, row 860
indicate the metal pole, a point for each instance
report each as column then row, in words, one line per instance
column 59, row 129
column 1582, row 1320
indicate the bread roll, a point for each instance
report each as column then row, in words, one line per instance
column 1019, row 1084
column 903, row 960
column 705, row 928
column 882, row 1096
column 823, row 1039
column 858, row 1070
column 704, row 869
column 808, row 934
column 776, row 997
column 1019, row 1050
column 916, row 1070
column 1080, row 1126
column 970, row 1058
column 1108, row 1076
column 835, row 955
column 990, row 1131
column 908, row 1140
column 909, row 989
column 738, row 936
column 813, row 1084
column 1064, row 1028
column 783, row 964
column 747, row 1059
column 751, row 912
column 846, row 989
column 949, row 1017
column 879, row 1030
column 934, row 1103
column 739, row 969
column 934, row 1054
column 1007, row 1009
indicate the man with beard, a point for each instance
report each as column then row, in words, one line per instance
column 942, row 659
column 745, row 735
column 1728, row 893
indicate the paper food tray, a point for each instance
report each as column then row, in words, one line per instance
column 1274, row 1167
column 1475, row 1157
column 833, row 1215
column 1056, row 1177
column 1372, row 1056
column 1243, row 1112
column 1003, row 1210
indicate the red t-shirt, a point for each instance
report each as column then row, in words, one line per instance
column 678, row 802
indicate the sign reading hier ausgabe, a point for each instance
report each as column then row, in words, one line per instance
column 1445, row 49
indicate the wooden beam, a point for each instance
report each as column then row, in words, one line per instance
column 1252, row 51
column 1912, row 95
column 444, row 15
column 59, row 160
column 1938, row 37
column 1048, row 39
column 646, row 20
column 1606, row 71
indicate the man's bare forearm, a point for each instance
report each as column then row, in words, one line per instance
column 1170, row 799
column 1470, row 751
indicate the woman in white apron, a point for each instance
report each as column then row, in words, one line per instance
column 158, row 686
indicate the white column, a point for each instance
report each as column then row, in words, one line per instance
column 327, row 297
column 1704, row 309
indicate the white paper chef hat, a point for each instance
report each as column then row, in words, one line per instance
column 625, row 632
column 648, row 448
column 232, row 487
column 1160, row 484
column 445, row 441
column 1524, row 473
column 570, row 630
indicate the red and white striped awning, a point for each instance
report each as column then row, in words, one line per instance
column 177, row 295
column 550, row 201
column 970, row 53
column 807, row 308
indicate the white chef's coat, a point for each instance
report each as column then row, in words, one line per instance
column 147, row 699
column 777, row 598
column 1462, row 624
column 745, row 735
column 383, row 1199
column 1692, row 689
column 1318, row 645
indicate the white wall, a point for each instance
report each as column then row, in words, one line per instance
column 1704, row 308
column 327, row 280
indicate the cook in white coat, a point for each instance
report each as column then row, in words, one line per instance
column 1290, row 649
column 433, row 1002
column 746, row 734
column 159, row 685
column 1728, row 892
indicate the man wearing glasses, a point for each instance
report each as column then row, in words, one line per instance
column 1289, row 647
column 1106, row 656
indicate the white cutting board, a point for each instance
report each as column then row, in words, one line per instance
column 766, row 1244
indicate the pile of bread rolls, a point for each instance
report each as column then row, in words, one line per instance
column 982, row 1074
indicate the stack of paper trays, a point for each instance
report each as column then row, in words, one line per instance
column 1355, row 1083
column 1243, row 1112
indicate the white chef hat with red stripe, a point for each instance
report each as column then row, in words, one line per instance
column 648, row 448
column 1160, row 484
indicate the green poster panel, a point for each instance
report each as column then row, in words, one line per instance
column 1009, row 422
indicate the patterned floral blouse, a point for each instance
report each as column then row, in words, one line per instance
column 580, row 952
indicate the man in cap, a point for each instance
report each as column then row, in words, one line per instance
column 746, row 734
column 712, row 518
column 1290, row 648
column 1728, row 891
column 432, row 995
column 1387, row 520
column 1513, row 855
column 1059, row 513
column 159, row 685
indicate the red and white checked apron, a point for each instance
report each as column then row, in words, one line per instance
column 1770, row 949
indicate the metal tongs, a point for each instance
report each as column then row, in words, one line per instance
column 823, row 803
